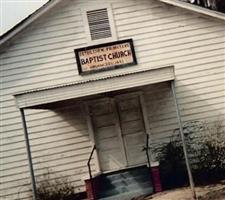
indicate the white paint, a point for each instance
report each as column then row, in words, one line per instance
column 42, row 57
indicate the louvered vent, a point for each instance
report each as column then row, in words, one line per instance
column 98, row 21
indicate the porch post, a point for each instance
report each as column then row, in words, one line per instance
column 183, row 141
column 34, row 190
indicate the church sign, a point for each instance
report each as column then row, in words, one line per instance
column 105, row 56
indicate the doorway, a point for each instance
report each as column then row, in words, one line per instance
column 119, row 131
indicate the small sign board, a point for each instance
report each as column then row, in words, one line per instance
column 105, row 56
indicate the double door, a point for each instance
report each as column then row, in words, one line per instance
column 119, row 131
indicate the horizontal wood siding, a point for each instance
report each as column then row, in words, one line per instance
column 42, row 56
column 161, row 112
column 60, row 143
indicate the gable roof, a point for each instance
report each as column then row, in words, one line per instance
column 195, row 8
column 51, row 3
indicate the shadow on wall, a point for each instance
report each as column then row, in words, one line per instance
column 195, row 105
column 59, row 140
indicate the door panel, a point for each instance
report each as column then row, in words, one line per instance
column 104, row 120
column 132, row 127
column 134, row 147
column 108, row 144
column 110, row 130
column 130, row 115
column 133, row 130
column 128, row 104
column 119, row 132
column 135, row 139
column 106, row 132
column 111, row 160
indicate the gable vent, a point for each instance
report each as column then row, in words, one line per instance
column 99, row 26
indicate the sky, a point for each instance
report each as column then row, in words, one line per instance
column 14, row 11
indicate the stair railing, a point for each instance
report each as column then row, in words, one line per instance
column 148, row 157
column 146, row 150
column 89, row 171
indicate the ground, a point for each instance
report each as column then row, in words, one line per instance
column 209, row 192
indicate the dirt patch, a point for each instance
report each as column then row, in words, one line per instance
column 214, row 195
column 209, row 192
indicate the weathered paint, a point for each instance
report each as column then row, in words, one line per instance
column 42, row 56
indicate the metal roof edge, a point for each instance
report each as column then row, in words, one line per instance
column 92, row 80
column 195, row 8
column 116, row 82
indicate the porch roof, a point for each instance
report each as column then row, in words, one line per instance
column 88, row 86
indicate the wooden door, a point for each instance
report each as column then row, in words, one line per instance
column 132, row 129
column 107, row 134
column 119, row 132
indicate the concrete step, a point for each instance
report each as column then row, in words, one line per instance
column 129, row 195
column 129, row 188
column 127, row 174
column 126, row 182
column 107, row 183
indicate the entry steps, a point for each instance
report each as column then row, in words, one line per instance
column 126, row 184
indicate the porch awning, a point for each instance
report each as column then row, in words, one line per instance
column 86, row 87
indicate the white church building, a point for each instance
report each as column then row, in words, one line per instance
column 116, row 77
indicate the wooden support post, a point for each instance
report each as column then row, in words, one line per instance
column 34, row 190
column 191, row 181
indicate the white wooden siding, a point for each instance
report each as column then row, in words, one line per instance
column 42, row 55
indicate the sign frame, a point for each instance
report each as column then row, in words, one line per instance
column 79, row 65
